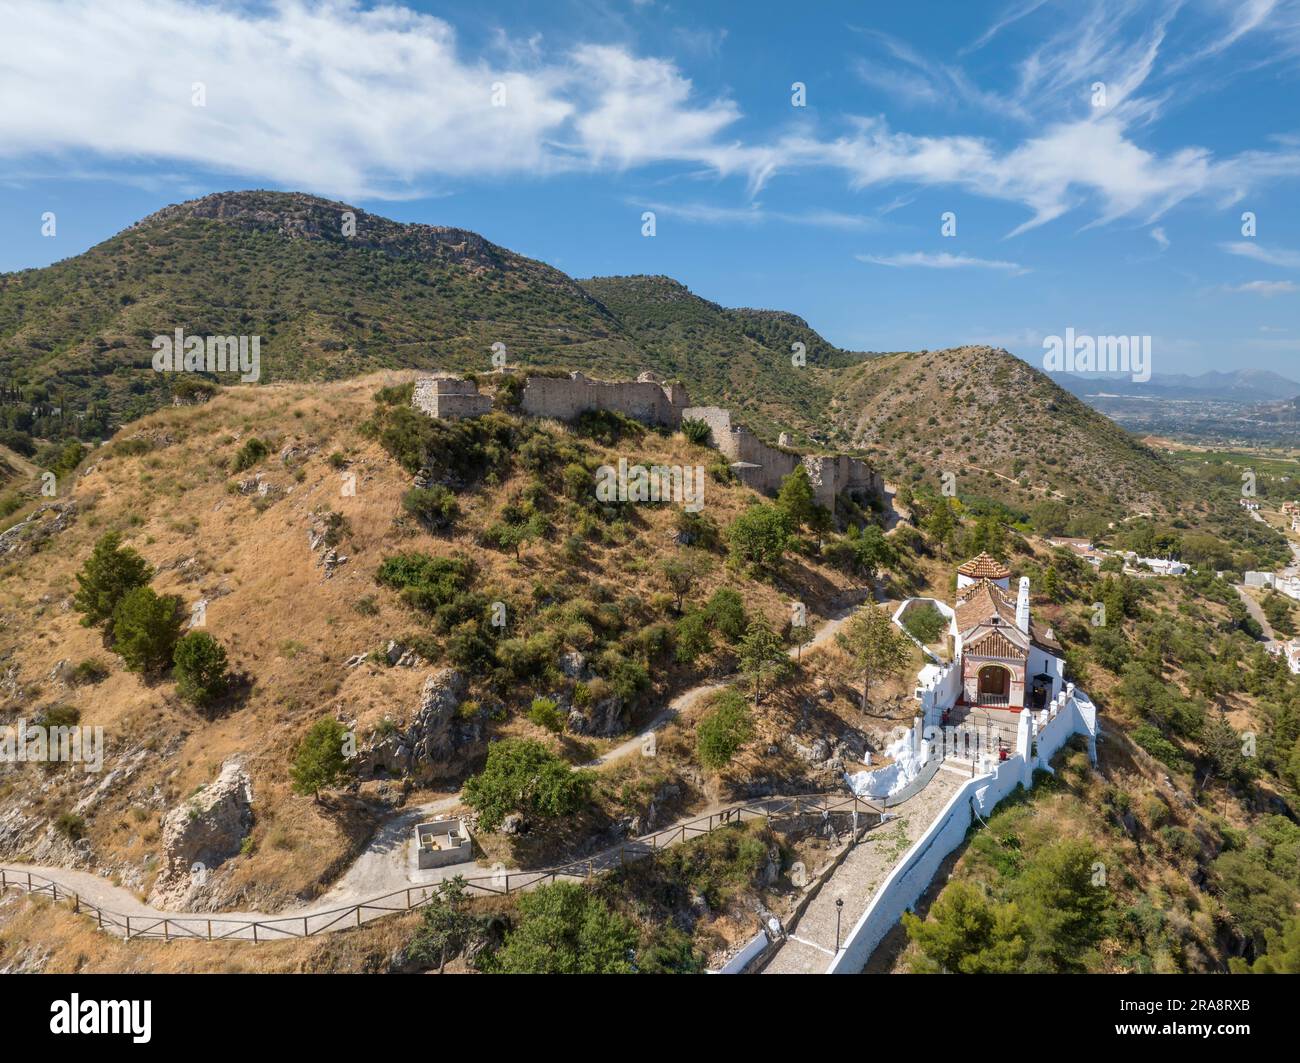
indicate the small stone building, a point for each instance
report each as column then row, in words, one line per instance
column 441, row 842
column 448, row 397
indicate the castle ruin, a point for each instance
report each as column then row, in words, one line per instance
column 755, row 463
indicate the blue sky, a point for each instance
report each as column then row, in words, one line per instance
column 1114, row 215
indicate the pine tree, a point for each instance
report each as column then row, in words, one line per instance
column 761, row 654
column 109, row 573
column 879, row 650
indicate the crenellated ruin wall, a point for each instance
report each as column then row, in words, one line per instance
column 756, row 464
column 644, row 400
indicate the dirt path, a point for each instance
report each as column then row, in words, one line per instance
column 336, row 910
column 388, row 863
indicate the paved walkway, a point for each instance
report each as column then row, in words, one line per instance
column 811, row 946
column 1253, row 608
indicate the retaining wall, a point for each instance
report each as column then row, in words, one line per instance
column 912, row 876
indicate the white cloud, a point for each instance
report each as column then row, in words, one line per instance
column 1265, row 288
column 939, row 260
column 1158, row 235
column 336, row 98
column 755, row 213
column 1273, row 256
column 356, row 101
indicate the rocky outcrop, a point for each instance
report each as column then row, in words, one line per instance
column 438, row 740
column 46, row 521
column 202, row 833
column 604, row 719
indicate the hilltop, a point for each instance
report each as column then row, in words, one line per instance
column 75, row 349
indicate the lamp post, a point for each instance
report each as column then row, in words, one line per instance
column 839, row 907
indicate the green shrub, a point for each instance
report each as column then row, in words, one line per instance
column 697, row 432
column 200, row 668
column 693, row 638
column 321, row 759
column 524, row 776
column 726, row 612
column 108, row 575
column 435, row 507
column 759, row 537
column 426, row 582
column 546, row 713
column 253, row 451
column 721, row 732
column 146, row 628
column 88, row 672
column 563, row 929
column 70, row 825
column 926, row 623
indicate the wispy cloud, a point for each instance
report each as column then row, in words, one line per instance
column 1268, row 289
column 939, row 260
column 381, row 101
column 1158, row 235
column 1282, row 257
column 756, row 214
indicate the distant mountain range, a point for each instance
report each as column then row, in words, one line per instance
column 1239, row 385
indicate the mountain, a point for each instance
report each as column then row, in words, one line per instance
column 278, row 266
column 1002, row 428
column 1238, row 385
column 76, row 345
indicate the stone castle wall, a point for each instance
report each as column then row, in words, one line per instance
column 449, row 398
column 643, row 400
column 756, row 464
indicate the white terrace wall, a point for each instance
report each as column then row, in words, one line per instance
column 565, row 398
column 914, row 873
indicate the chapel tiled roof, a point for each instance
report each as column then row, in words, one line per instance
column 981, row 566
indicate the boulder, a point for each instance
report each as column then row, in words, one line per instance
column 573, row 665
column 202, row 833
column 606, row 718
column 514, row 823
column 428, row 748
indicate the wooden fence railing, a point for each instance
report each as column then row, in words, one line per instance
column 218, row 928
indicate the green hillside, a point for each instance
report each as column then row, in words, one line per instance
column 75, row 349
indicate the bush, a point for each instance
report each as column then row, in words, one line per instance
column 626, row 677
column 693, row 636
column 726, row 612
column 60, row 716
column 723, row 730
column 925, row 624
column 697, row 432
column 88, row 672
column 200, row 668
column 426, row 582
column 253, row 451
column 524, row 776
column 109, row 574
column 320, row 760
column 759, row 536
column 697, row 529
column 70, row 826
column 146, row 628
column 435, row 507
column 563, row 929
column 546, row 713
